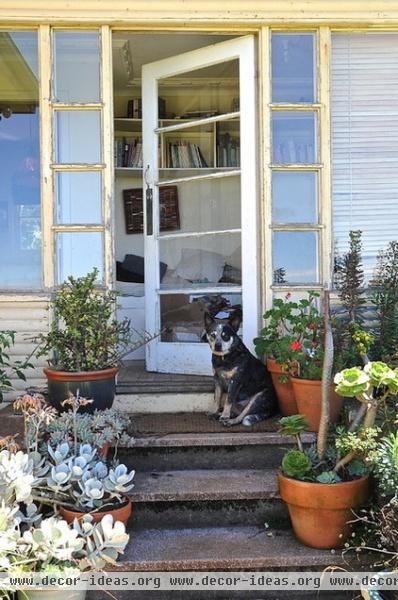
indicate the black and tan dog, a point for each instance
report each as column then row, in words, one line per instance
column 243, row 387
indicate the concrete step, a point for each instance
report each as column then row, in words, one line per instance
column 220, row 549
column 207, row 498
column 225, row 450
column 205, row 485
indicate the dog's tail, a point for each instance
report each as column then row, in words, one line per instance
column 253, row 419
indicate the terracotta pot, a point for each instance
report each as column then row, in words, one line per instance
column 320, row 512
column 284, row 390
column 308, row 396
column 122, row 513
column 99, row 386
column 103, row 452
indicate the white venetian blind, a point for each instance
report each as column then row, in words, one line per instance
column 365, row 140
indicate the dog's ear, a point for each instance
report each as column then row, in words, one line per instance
column 235, row 320
column 208, row 320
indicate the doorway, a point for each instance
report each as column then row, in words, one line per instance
column 185, row 193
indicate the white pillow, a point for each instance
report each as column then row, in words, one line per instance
column 200, row 265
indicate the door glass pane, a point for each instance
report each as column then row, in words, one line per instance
column 294, row 137
column 293, row 67
column 20, row 223
column 79, row 197
column 78, row 253
column 294, row 197
column 200, row 93
column 295, row 257
column 77, row 66
column 182, row 315
column 201, row 261
column 77, row 134
column 197, row 206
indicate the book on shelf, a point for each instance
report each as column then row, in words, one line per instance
column 228, row 151
column 134, row 108
column 128, row 153
column 185, row 155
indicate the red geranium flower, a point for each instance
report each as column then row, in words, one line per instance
column 295, row 346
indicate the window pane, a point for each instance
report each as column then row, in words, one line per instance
column 79, row 197
column 20, row 224
column 78, row 253
column 293, row 67
column 295, row 257
column 294, row 197
column 294, row 137
column 77, row 70
column 182, row 314
column 78, row 136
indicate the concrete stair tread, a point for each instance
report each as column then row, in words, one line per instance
column 220, row 548
column 232, row 438
column 204, row 485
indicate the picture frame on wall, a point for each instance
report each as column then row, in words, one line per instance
column 134, row 209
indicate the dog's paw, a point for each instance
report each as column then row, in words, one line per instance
column 228, row 422
column 213, row 415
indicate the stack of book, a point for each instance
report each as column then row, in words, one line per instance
column 128, row 153
column 185, row 155
column 228, row 150
column 134, row 108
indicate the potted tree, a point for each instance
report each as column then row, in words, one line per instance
column 321, row 485
column 86, row 343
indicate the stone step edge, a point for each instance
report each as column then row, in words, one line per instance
column 187, row 440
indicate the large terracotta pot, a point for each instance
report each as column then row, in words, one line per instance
column 99, row 386
column 121, row 513
column 320, row 512
column 308, row 394
column 284, row 390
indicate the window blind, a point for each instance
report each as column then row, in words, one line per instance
column 364, row 117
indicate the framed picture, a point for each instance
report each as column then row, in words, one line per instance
column 134, row 209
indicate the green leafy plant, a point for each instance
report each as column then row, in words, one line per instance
column 8, row 368
column 349, row 278
column 84, row 334
column 384, row 459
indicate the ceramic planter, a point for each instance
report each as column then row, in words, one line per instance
column 320, row 512
column 283, row 389
column 97, row 385
column 308, row 394
column 121, row 513
column 47, row 594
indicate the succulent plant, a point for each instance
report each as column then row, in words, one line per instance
column 83, row 481
column 296, row 464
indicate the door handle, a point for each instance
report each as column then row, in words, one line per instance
column 148, row 202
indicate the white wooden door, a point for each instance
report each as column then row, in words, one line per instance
column 199, row 149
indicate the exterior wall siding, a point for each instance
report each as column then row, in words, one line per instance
column 27, row 319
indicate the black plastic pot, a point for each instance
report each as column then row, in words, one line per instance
column 99, row 386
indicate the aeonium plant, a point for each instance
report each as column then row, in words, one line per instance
column 352, row 452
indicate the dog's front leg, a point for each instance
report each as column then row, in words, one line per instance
column 218, row 400
column 233, row 393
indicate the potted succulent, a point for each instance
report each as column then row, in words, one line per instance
column 44, row 426
column 274, row 342
column 321, row 485
column 86, row 343
column 80, row 483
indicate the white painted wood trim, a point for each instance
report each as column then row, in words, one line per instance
column 236, row 289
column 325, row 184
column 46, row 137
column 108, row 204
column 217, row 175
column 198, row 122
column 196, row 234
column 176, row 357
